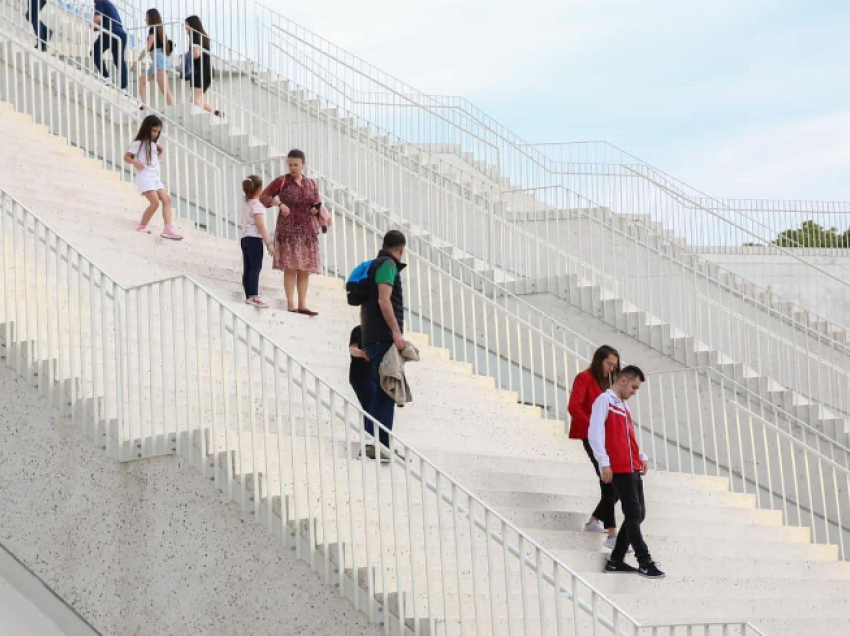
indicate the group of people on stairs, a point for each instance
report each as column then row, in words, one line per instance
column 197, row 68
column 603, row 422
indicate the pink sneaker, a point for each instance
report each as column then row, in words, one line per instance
column 142, row 229
column 171, row 234
column 256, row 301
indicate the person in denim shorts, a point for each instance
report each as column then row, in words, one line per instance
column 159, row 48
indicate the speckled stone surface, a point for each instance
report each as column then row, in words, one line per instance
column 149, row 548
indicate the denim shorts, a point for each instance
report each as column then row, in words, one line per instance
column 159, row 62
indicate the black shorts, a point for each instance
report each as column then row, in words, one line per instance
column 201, row 82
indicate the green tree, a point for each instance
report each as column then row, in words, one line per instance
column 810, row 234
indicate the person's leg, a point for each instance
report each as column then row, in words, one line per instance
column 34, row 16
column 364, row 390
column 255, row 246
column 630, row 491
column 303, row 287
column 153, row 205
column 246, row 266
column 167, row 211
column 289, row 278
column 604, row 510
column 383, row 406
column 119, row 58
column 143, row 89
column 162, row 82
column 97, row 55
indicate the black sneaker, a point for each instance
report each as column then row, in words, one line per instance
column 618, row 567
column 651, row 571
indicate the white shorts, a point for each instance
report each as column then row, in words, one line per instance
column 148, row 182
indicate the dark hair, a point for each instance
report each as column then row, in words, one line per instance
column 394, row 239
column 599, row 356
column 154, row 18
column 297, row 154
column 199, row 35
column 145, row 134
column 633, row 372
column 251, row 184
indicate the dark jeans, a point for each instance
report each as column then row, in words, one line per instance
column 608, row 497
column 364, row 390
column 118, row 46
column 629, row 487
column 252, row 264
column 34, row 16
column 381, row 406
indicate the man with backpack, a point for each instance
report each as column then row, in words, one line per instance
column 376, row 287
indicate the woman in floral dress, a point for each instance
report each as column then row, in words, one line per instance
column 295, row 238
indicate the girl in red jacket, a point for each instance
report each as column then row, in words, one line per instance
column 588, row 386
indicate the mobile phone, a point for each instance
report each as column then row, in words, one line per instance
column 316, row 206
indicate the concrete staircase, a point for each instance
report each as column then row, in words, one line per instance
column 725, row 557
column 587, row 293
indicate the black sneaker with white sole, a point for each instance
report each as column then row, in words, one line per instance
column 650, row 570
column 619, row 567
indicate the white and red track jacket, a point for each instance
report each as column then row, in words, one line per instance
column 612, row 435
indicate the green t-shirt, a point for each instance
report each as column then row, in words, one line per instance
column 386, row 273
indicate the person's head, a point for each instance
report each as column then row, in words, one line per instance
column 252, row 186
column 153, row 17
column 605, row 365
column 150, row 129
column 394, row 243
column 195, row 30
column 295, row 162
column 628, row 381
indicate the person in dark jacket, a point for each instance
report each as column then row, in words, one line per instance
column 612, row 437
column 112, row 38
column 360, row 370
column 587, row 386
column 382, row 320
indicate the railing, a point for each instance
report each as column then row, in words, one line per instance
column 702, row 432
column 167, row 367
column 540, row 373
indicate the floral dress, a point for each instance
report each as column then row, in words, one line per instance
column 295, row 238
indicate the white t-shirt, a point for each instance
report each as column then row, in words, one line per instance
column 250, row 209
column 140, row 151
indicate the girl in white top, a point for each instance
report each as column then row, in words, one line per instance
column 254, row 235
column 144, row 155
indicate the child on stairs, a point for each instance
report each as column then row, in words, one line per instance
column 253, row 235
column 145, row 154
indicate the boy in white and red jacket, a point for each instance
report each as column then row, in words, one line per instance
column 612, row 438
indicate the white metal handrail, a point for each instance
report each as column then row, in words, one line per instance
column 103, row 359
column 531, row 383
column 703, row 434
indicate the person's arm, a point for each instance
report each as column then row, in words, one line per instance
column 596, row 437
column 196, row 54
column 270, row 196
column 357, row 352
column 385, row 291
column 130, row 158
column 644, row 460
column 317, row 199
column 577, row 399
column 260, row 222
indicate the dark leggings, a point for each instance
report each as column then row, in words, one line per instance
column 252, row 264
column 34, row 16
column 629, row 488
column 608, row 498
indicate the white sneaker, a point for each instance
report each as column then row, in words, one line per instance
column 107, row 81
column 594, row 526
column 611, row 542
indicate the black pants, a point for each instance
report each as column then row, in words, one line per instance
column 365, row 391
column 629, row 487
column 608, row 494
column 252, row 264
column 117, row 44
column 34, row 16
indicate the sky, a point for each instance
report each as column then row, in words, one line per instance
column 739, row 98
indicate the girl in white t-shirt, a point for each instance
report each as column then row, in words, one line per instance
column 253, row 234
column 145, row 154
